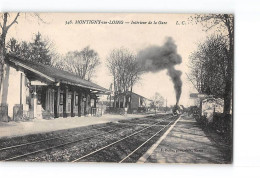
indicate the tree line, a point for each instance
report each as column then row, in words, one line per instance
column 81, row 63
column 124, row 68
column 212, row 63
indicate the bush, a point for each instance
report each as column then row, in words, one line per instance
column 222, row 123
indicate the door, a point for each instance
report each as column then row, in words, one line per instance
column 69, row 104
column 56, row 113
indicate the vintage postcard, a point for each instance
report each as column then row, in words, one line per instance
column 116, row 87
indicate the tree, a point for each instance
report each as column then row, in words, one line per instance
column 209, row 67
column 224, row 24
column 81, row 63
column 125, row 70
column 39, row 50
column 4, row 30
column 5, row 26
column 157, row 101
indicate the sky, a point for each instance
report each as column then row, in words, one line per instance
column 103, row 38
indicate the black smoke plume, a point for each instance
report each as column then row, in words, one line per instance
column 157, row 58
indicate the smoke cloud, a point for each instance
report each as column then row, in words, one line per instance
column 157, row 58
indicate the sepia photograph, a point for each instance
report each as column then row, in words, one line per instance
column 117, row 87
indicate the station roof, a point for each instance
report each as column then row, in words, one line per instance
column 54, row 75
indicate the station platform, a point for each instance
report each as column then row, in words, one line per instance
column 185, row 142
column 11, row 129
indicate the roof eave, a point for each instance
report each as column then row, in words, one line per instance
column 83, row 86
column 33, row 70
column 54, row 80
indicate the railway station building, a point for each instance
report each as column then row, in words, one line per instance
column 132, row 101
column 35, row 91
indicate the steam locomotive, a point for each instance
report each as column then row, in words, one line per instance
column 176, row 110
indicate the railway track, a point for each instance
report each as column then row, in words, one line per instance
column 145, row 142
column 67, row 141
column 83, row 158
column 110, row 149
column 8, row 143
column 3, row 146
column 56, row 146
column 102, row 148
column 44, row 140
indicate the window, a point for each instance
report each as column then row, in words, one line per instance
column 61, row 98
column 39, row 99
column 76, row 100
column 92, row 102
column 69, row 103
column 141, row 102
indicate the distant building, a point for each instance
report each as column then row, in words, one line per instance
column 132, row 101
column 33, row 90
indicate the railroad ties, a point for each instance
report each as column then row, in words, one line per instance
column 124, row 141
